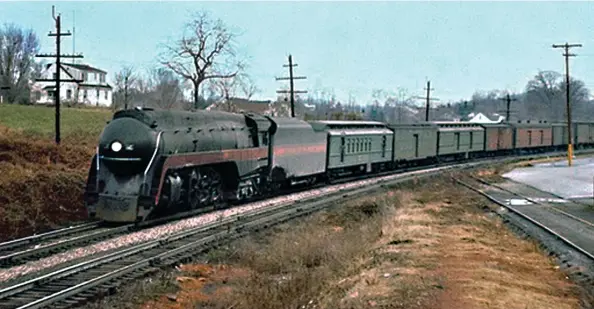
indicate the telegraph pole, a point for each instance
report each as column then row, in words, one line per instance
column 428, row 99
column 59, row 68
column 566, row 47
column 291, row 78
column 508, row 100
column 126, row 92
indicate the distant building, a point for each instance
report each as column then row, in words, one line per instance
column 480, row 118
column 238, row 105
column 93, row 90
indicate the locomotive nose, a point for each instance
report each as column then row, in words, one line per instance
column 126, row 146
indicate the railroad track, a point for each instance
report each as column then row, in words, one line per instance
column 76, row 283
column 573, row 231
column 79, row 283
column 533, row 200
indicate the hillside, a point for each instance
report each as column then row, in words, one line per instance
column 41, row 184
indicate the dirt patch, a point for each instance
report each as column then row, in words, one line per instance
column 424, row 245
column 41, row 184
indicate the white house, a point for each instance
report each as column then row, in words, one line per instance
column 480, row 118
column 92, row 89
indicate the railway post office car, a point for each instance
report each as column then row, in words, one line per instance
column 356, row 146
column 532, row 136
column 499, row 138
column 459, row 140
column 414, row 143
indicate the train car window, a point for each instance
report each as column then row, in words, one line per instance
column 541, row 137
column 470, row 147
column 342, row 149
column 457, row 140
column 529, row 137
column 383, row 146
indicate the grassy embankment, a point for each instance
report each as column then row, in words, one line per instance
column 41, row 184
column 421, row 245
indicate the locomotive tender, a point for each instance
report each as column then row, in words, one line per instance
column 151, row 162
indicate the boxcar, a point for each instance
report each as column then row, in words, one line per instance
column 356, row 146
column 414, row 142
column 582, row 133
column 499, row 138
column 559, row 140
column 459, row 140
column 535, row 136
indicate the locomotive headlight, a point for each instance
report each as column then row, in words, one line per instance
column 116, row 146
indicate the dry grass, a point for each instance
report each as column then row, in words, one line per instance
column 41, row 184
column 424, row 245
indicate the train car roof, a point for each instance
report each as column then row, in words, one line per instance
column 172, row 118
column 324, row 125
column 529, row 123
column 412, row 125
column 455, row 124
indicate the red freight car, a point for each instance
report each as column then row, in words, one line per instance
column 535, row 135
column 499, row 137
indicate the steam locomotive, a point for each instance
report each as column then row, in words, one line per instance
column 150, row 162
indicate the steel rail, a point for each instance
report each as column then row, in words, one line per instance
column 15, row 244
column 163, row 252
column 533, row 201
column 528, row 218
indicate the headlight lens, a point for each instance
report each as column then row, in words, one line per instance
column 116, row 146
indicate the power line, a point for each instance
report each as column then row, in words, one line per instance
column 59, row 68
column 566, row 47
column 428, row 99
column 508, row 100
column 292, row 91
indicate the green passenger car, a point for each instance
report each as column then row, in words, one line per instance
column 460, row 139
column 414, row 141
column 356, row 146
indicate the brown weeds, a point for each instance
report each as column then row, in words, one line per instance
column 426, row 244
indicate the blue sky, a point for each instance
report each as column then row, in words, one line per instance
column 344, row 47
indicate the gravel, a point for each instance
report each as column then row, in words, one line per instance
column 178, row 226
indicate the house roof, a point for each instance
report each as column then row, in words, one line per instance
column 84, row 67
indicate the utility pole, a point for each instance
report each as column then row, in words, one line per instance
column 126, row 92
column 59, row 68
column 428, row 99
column 507, row 99
column 566, row 47
column 291, row 78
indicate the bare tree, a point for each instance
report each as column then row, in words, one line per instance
column 548, row 87
column 204, row 52
column 124, row 82
column 17, row 61
column 228, row 88
column 166, row 88
column 545, row 85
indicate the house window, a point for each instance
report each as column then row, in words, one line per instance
column 85, row 94
column 102, row 76
column 98, row 93
column 55, row 76
column 38, row 95
column 68, row 94
column 84, row 76
column 106, row 94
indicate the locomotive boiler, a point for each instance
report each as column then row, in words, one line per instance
column 150, row 162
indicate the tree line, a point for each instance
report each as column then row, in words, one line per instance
column 203, row 66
